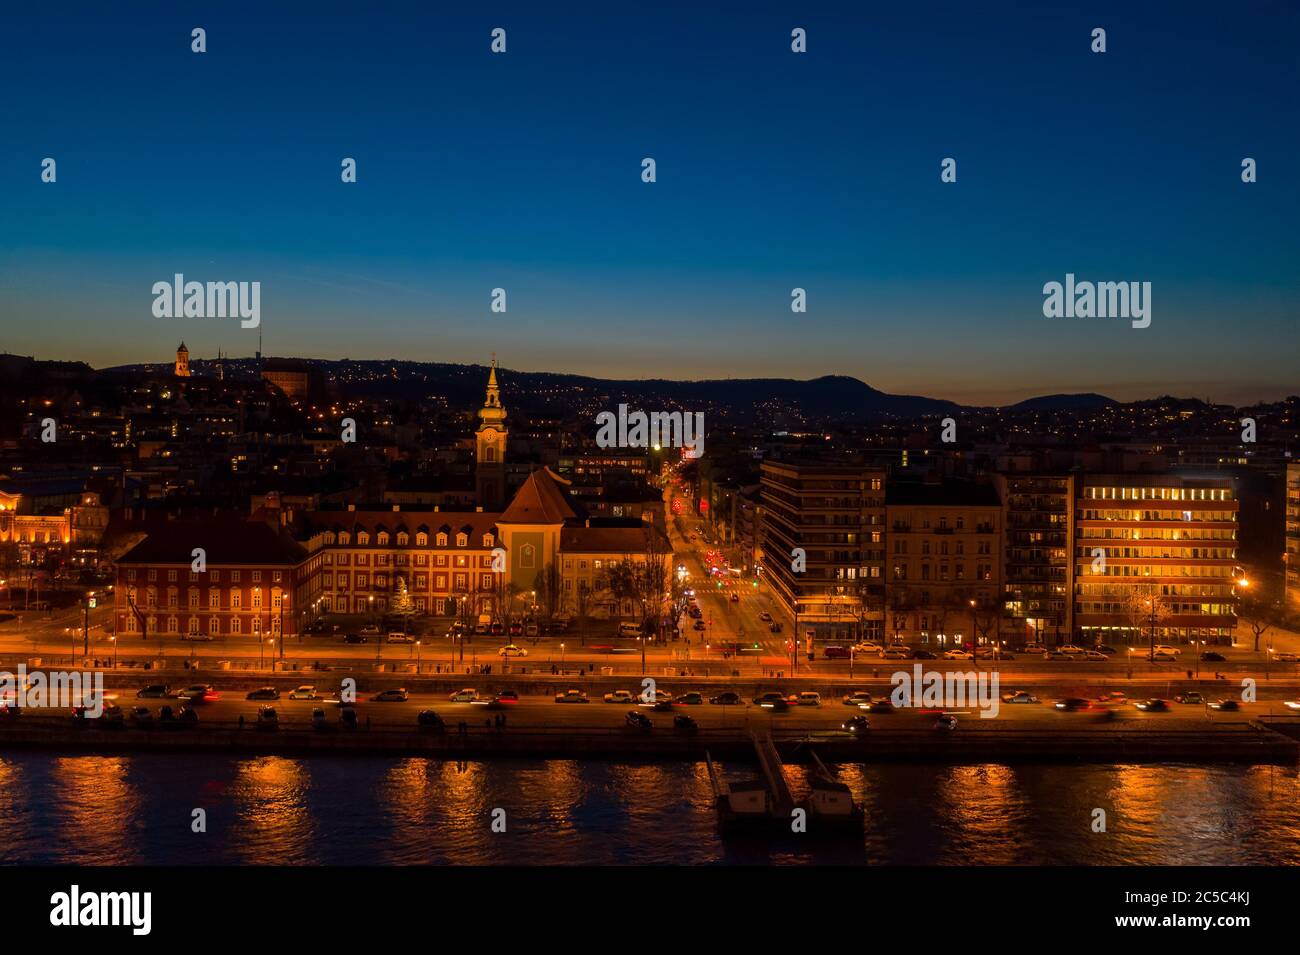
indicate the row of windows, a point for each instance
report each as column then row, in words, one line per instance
column 213, row 575
column 1157, row 494
column 982, row 572
column 195, row 625
column 981, row 547
column 193, row 598
column 403, row 539
column 1185, row 516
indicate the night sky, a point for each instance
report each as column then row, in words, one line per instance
column 775, row 170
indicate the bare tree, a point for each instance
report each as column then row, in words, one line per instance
column 1143, row 606
column 1258, row 608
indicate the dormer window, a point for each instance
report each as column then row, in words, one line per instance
column 363, row 538
column 462, row 540
column 421, row 540
column 402, row 540
column 442, row 540
column 487, row 540
column 383, row 539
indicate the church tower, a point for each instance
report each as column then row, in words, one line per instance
column 182, row 362
column 490, row 447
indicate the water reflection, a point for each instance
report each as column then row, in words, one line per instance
column 325, row 811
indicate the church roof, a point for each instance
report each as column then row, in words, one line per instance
column 540, row 500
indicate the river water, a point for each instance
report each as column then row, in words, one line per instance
column 137, row 809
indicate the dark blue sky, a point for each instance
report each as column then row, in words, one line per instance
column 775, row 170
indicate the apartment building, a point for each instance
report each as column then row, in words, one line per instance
column 1038, row 517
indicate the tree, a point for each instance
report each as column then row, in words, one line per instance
column 900, row 603
column 1143, row 606
column 1258, row 608
column 402, row 604
column 870, row 600
column 549, row 587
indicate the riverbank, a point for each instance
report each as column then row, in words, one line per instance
column 973, row 742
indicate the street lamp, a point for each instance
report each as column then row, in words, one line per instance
column 113, row 641
column 974, row 637
column 417, row 657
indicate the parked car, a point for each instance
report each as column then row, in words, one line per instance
column 167, row 718
column 348, row 718
column 684, row 723
column 154, row 691
column 809, row 698
column 1095, row 655
column 725, row 698
column 506, row 697
column 765, row 617
column 1209, row 656
column 619, row 696
column 264, row 693
column 390, row 696
column 199, row 693
column 267, row 718
column 510, row 650
column 638, row 721
column 858, row 698
column 1287, row 657
column 319, row 721
column 429, row 722
column 141, row 717
column 531, row 630
column 467, row 695
column 774, row 628
column 1070, row 649
column 1158, row 656
column 697, row 625
column 836, row 653
column 571, row 696
column 516, row 630
column 1191, row 698
column 400, row 638
column 497, row 630
column 945, row 721
column 867, row 647
column 896, row 653
column 923, row 655
column 856, row 724
column 690, row 698
column 1057, row 654
column 771, row 696
column 958, row 655
column 305, row 692
column 187, row 716
column 371, row 629
column 355, row 638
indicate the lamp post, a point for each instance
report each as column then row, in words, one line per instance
column 974, row 637
column 85, row 625
column 417, row 657
column 113, row 641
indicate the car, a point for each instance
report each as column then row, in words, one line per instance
column 774, row 628
column 994, row 653
column 856, row 724
column 698, row 625
column 1152, row 705
column 153, row 691
column 765, row 617
column 1102, row 648
column 267, row 718
column 467, row 695
column 1287, row 657
column 355, row 638
column 725, row 698
column 1020, row 696
column 734, row 598
column 777, row 706
column 348, row 718
column 187, row 716
column 506, row 697
column 532, row 630
column 497, row 629
column 1166, row 648
column 480, row 629
column 1162, row 656
column 660, row 705
column 836, row 653
column 896, row 653
column 1114, row 698
column 166, row 718
column 371, row 628
column 923, row 655
column 1209, row 656
column 1092, row 655
column 264, row 693
column 1191, row 698
column 945, row 721
column 619, row 696
column 1225, row 705
column 809, row 698
column 1070, row 648
column 638, row 721
column 690, row 698
column 305, row 692
column 141, row 717
column 199, row 693
column 510, row 650
column 1057, row 654
column 1291, row 704
column 685, row 723
column 958, row 655
column 881, row 706
column 319, row 721
column 771, row 696
column 867, row 647
column 857, row 698
column 1073, row 703
column 1032, row 648
column 398, row 695
column 516, row 630
column 654, row 695
column 571, row 696
column 429, row 722
column 400, row 638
